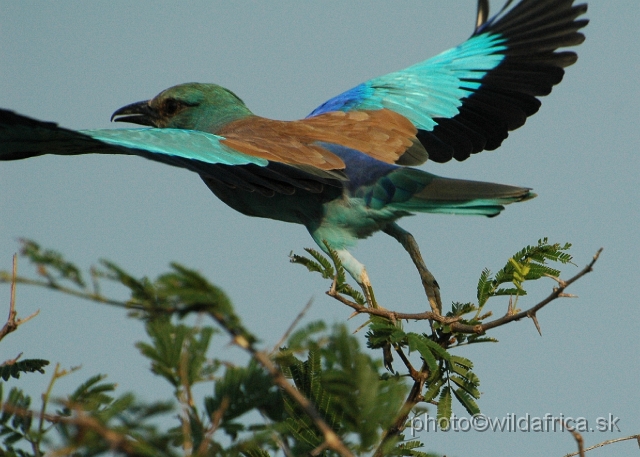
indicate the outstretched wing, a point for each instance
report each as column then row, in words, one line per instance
column 468, row 98
column 204, row 153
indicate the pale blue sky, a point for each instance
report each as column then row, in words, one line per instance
column 75, row 63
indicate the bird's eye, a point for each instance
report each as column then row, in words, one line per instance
column 171, row 105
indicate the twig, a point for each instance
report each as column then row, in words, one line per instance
column 215, row 419
column 320, row 449
column 293, row 325
column 4, row 277
column 454, row 322
column 408, row 242
column 91, row 296
column 11, row 324
column 531, row 312
column 11, row 361
column 407, row 363
column 577, row 436
column 117, row 441
column 12, row 321
column 392, row 315
column 414, row 397
column 606, row 443
column 185, row 398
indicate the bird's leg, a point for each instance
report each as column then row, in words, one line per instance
column 431, row 287
column 365, row 284
column 359, row 273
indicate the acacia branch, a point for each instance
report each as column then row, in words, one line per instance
column 577, row 436
column 117, row 441
column 12, row 320
column 415, row 395
column 531, row 312
column 454, row 322
column 293, row 325
column 4, row 277
column 391, row 315
column 407, row 363
column 91, row 296
column 606, row 443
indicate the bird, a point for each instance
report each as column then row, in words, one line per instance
column 349, row 169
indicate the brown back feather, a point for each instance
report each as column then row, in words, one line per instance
column 382, row 134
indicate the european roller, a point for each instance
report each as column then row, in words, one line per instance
column 347, row 170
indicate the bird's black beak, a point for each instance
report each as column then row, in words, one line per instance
column 136, row 113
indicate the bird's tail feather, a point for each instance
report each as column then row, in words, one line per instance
column 414, row 190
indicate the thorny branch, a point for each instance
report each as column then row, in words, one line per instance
column 84, row 422
column 415, row 395
column 577, row 436
column 65, row 290
column 293, row 325
column 558, row 292
column 12, row 321
column 391, row 315
column 606, row 443
column 453, row 322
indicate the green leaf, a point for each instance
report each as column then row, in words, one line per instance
column 176, row 347
column 485, row 286
column 462, row 361
column 444, row 405
column 240, row 390
column 383, row 332
column 48, row 260
column 255, row 452
column 526, row 265
column 300, row 338
column 437, row 349
column 509, row 292
column 481, row 339
column 469, row 387
column 324, row 269
column 434, row 388
column 419, row 343
column 92, row 394
column 349, row 291
column 22, row 366
column 465, row 399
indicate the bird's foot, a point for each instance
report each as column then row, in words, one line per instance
column 334, row 286
column 367, row 290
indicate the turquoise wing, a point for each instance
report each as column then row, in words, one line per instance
column 197, row 151
column 468, row 98
column 22, row 137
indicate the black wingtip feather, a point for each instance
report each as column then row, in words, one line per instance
column 532, row 31
column 11, row 119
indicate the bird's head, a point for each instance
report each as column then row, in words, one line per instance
column 192, row 106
